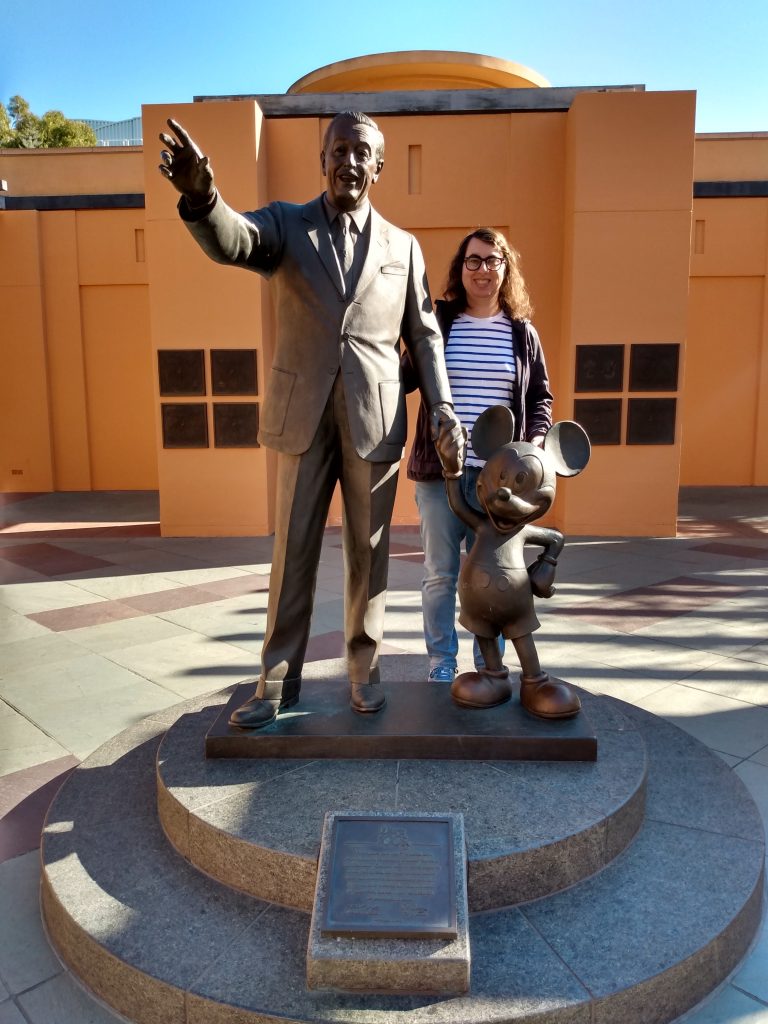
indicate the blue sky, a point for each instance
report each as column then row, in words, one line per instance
column 94, row 58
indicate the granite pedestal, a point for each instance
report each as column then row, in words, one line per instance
column 624, row 889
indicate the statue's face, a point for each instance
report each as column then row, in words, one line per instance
column 350, row 164
column 516, row 486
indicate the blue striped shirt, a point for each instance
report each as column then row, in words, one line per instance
column 481, row 368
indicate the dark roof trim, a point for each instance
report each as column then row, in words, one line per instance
column 112, row 201
column 433, row 101
column 135, row 200
column 729, row 189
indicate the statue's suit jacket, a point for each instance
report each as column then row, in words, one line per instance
column 321, row 332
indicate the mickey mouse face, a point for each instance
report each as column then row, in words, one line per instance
column 515, row 486
column 517, row 483
column 528, row 473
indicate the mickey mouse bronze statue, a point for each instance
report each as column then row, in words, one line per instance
column 496, row 589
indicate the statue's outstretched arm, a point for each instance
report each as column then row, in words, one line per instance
column 459, row 505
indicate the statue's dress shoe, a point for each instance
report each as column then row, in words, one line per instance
column 366, row 698
column 260, row 711
column 548, row 698
column 484, row 689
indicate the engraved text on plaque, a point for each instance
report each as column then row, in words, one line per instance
column 391, row 877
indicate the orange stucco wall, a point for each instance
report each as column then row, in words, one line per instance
column 76, row 387
column 628, row 209
column 731, row 157
column 725, row 425
column 598, row 200
column 727, row 373
column 26, row 457
column 76, row 172
column 195, row 304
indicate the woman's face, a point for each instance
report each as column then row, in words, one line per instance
column 482, row 285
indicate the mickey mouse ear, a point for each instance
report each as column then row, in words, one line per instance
column 493, row 428
column 568, row 446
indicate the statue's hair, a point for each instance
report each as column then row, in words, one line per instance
column 513, row 294
column 356, row 117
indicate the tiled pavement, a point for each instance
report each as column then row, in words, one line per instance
column 103, row 621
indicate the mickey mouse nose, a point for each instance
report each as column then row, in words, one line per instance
column 504, row 494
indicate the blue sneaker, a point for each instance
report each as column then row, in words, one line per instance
column 441, row 674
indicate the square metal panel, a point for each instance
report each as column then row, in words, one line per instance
column 185, row 425
column 181, row 371
column 233, row 371
column 599, row 367
column 654, row 367
column 600, row 417
column 235, row 424
column 651, row 421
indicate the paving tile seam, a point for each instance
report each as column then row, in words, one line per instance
column 537, row 931
column 759, row 843
column 273, row 853
column 225, row 953
column 738, row 656
column 728, row 980
column 600, row 829
column 39, row 984
column 714, row 693
column 199, row 808
column 739, row 761
column 105, row 654
column 691, row 646
column 36, row 725
column 63, row 969
column 744, row 991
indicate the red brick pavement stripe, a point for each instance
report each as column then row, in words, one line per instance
column 756, row 527
column 62, row 619
column 12, row 497
column 24, row 800
column 331, row 645
column 79, row 615
column 56, row 532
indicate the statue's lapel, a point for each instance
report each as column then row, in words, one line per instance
column 320, row 236
column 378, row 249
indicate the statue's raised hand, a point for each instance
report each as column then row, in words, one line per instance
column 185, row 166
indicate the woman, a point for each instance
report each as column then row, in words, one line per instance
column 494, row 357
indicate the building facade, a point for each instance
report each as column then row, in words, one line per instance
column 133, row 362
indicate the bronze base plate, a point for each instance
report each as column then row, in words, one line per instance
column 418, row 721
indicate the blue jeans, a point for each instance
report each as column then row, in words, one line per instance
column 441, row 534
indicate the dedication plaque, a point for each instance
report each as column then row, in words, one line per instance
column 391, row 877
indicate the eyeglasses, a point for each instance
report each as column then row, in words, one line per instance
column 489, row 263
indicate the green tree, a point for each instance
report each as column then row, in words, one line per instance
column 6, row 131
column 21, row 129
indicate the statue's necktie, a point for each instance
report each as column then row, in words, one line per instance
column 346, row 252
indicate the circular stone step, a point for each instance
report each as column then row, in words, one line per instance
column 532, row 828
column 641, row 941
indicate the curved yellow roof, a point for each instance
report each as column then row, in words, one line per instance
column 419, row 69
